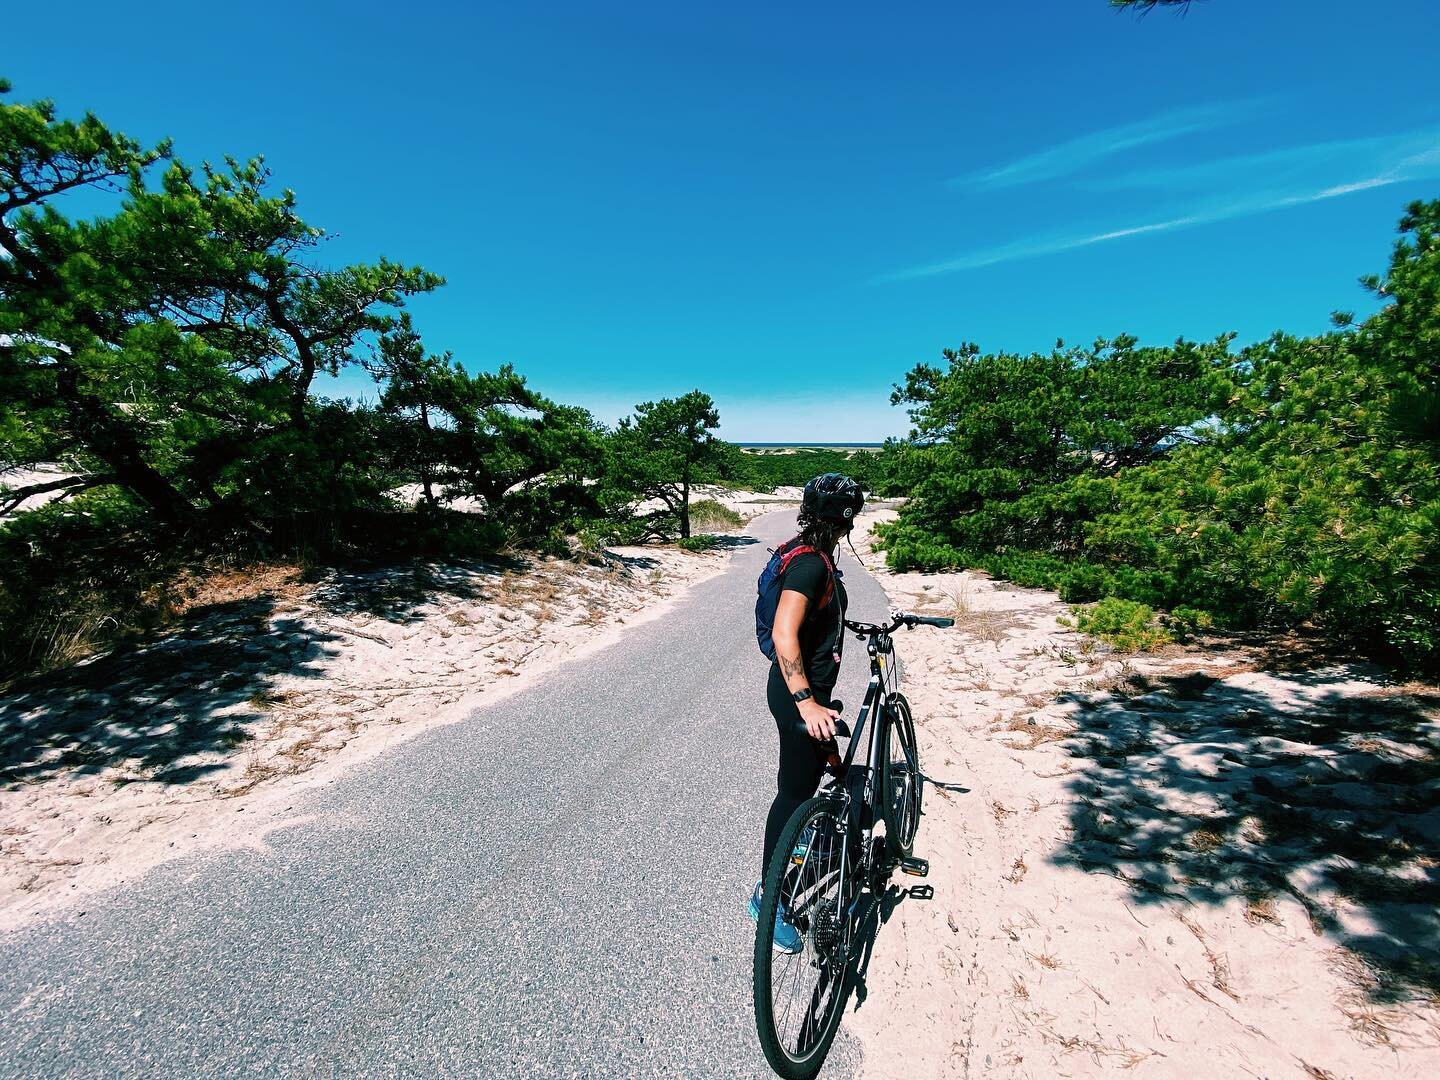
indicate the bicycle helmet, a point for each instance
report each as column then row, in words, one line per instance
column 832, row 497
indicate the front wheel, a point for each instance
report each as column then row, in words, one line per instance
column 903, row 781
column 799, row 996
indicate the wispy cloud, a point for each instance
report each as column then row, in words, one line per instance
column 1402, row 158
column 1074, row 155
column 1288, row 164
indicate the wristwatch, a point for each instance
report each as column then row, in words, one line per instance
column 802, row 695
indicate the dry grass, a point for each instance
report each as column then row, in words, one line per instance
column 1047, row 960
column 1261, row 909
column 1368, row 1024
column 1206, row 840
column 1031, row 733
column 957, row 599
column 1017, row 871
column 1121, row 682
column 192, row 590
column 1220, row 973
column 988, row 626
column 265, row 700
column 1013, row 927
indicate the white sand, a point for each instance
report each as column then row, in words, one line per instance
column 14, row 478
column 747, row 504
column 1138, row 878
column 207, row 735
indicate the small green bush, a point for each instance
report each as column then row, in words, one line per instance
column 1083, row 583
column 709, row 514
column 1125, row 624
column 699, row 542
column 1184, row 622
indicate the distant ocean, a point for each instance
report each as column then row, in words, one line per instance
column 810, row 445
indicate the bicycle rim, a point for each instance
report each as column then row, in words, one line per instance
column 903, row 779
column 799, row 997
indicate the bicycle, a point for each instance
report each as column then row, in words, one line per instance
column 829, row 855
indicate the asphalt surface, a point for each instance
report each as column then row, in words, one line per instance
column 554, row 887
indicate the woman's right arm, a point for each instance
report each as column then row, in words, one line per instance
column 789, row 613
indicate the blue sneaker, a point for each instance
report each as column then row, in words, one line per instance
column 787, row 939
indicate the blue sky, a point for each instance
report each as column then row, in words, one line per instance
column 789, row 205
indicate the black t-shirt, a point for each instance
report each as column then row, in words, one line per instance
column 820, row 636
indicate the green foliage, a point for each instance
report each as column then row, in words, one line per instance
column 1185, row 622
column 709, row 514
column 698, row 542
column 72, row 573
column 1293, row 481
column 662, row 451
column 166, row 353
column 1128, row 626
column 766, row 468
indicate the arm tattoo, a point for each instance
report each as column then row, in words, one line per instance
column 790, row 666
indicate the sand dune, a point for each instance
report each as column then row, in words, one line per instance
column 1174, row 866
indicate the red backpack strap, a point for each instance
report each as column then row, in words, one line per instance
column 829, row 580
column 789, row 553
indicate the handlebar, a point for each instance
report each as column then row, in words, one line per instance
column 842, row 729
column 898, row 619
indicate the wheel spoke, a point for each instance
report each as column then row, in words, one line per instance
column 804, row 987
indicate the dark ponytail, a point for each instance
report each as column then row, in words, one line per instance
column 820, row 534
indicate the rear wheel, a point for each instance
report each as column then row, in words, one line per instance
column 903, row 781
column 800, row 996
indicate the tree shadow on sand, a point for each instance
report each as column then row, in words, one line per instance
column 168, row 708
column 151, row 706
column 1307, row 785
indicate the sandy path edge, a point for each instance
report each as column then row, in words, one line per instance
column 1088, row 918
column 357, row 686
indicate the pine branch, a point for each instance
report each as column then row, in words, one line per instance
column 70, row 485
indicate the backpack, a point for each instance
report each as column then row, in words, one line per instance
column 767, row 590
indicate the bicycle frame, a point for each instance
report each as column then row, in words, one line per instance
column 862, row 779
column 836, row 833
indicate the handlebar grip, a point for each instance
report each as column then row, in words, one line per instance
column 841, row 728
column 931, row 620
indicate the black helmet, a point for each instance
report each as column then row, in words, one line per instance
column 833, row 497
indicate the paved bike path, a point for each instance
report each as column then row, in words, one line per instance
column 553, row 887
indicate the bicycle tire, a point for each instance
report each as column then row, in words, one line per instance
column 800, row 1057
column 903, row 782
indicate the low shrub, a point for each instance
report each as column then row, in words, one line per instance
column 699, row 542
column 1125, row 624
column 708, row 514
column 1083, row 583
column 1184, row 622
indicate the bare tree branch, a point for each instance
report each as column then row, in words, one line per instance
column 70, row 485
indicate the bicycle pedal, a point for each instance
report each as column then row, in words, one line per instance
column 915, row 867
column 920, row 892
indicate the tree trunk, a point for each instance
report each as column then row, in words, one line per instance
column 113, row 444
column 425, row 455
column 685, row 503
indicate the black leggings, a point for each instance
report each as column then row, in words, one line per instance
column 802, row 759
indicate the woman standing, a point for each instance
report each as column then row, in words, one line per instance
column 808, row 634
